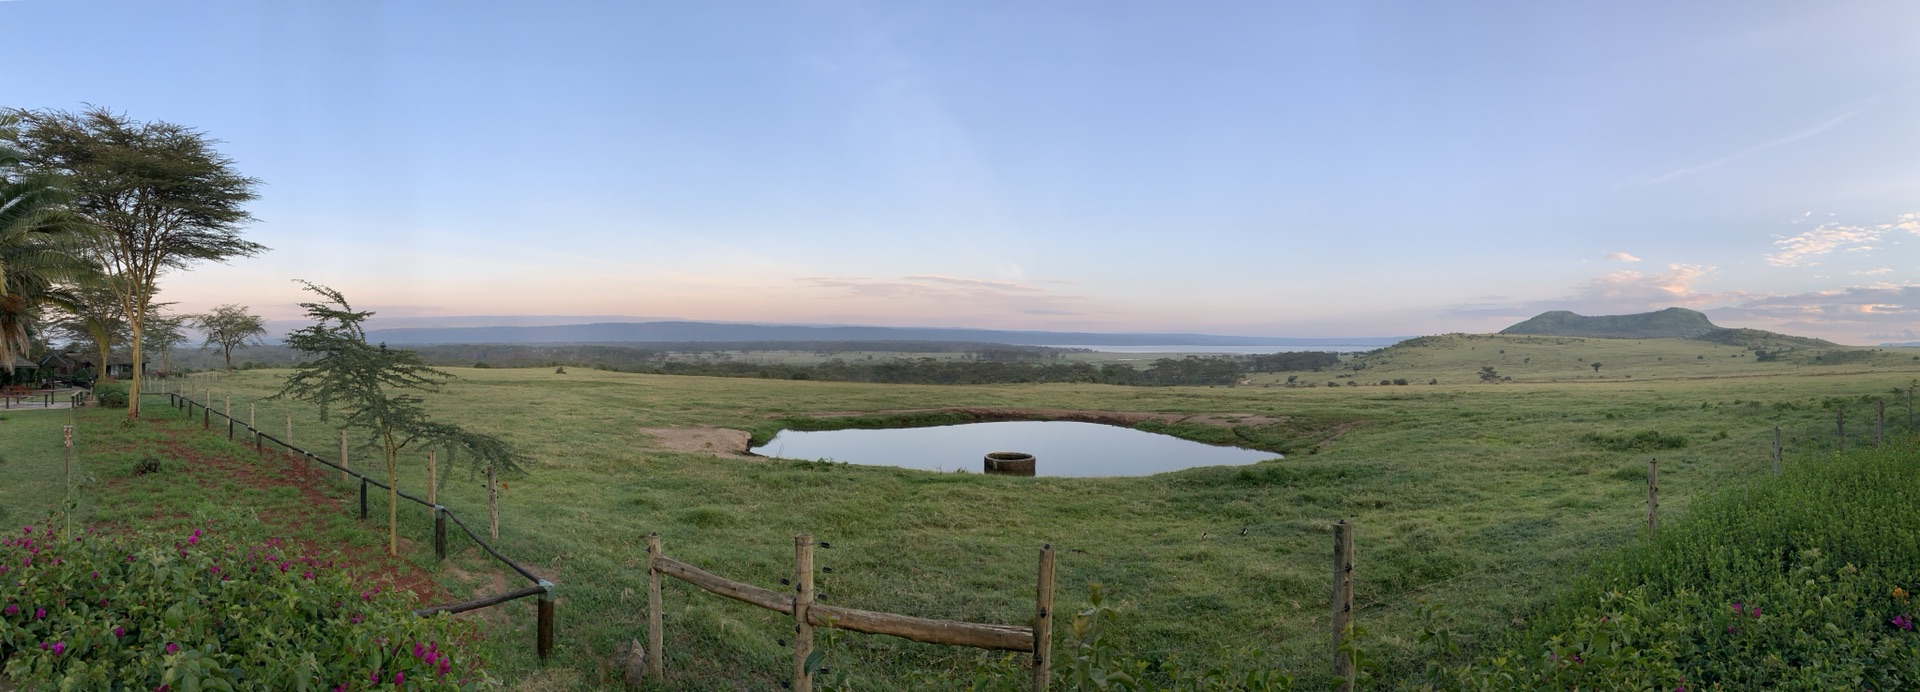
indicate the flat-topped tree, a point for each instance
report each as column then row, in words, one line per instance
column 375, row 389
column 229, row 327
column 159, row 194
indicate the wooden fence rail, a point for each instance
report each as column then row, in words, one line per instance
column 541, row 587
column 807, row 614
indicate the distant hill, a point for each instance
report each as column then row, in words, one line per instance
column 628, row 332
column 1671, row 323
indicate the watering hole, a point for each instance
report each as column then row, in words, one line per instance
column 1061, row 448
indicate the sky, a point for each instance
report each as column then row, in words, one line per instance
column 1255, row 168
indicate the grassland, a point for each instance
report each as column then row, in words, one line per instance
column 1477, row 497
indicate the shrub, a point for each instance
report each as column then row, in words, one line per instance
column 101, row 611
column 1797, row 581
column 111, row 394
column 147, row 463
column 1643, row 441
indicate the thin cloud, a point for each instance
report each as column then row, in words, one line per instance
column 1622, row 257
column 1749, row 151
column 1829, row 237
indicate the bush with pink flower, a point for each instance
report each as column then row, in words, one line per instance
column 192, row 611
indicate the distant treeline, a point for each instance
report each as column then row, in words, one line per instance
column 1192, row 370
column 984, row 367
column 978, row 363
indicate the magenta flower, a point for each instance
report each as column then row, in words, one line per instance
column 59, row 648
column 1902, row 621
column 399, row 678
column 172, row 647
column 1737, row 609
column 193, row 539
column 11, row 609
column 1753, row 611
column 119, row 632
column 39, row 613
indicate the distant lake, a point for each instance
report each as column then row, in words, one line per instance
column 1241, row 350
column 1061, row 448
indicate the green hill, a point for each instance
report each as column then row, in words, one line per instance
column 1671, row 323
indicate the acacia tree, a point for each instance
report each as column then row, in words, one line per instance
column 229, row 327
column 376, row 390
column 165, row 331
column 89, row 313
column 159, row 195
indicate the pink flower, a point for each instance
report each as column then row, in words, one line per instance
column 1736, row 609
column 11, row 609
column 119, row 632
column 399, row 678
column 193, row 539
column 1753, row 611
column 59, row 648
column 172, row 647
column 39, row 613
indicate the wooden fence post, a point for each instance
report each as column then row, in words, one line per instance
column 432, row 476
column 1342, row 603
column 229, row 399
column 802, row 599
column 543, row 640
column 1653, row 496
column 1776, row 450
column 656, row 634
column 343, row 456
column 440, row 532
column 363, row 498
column 493, row 506
column 289, row 429
column 1043, row 621
column 250, row 426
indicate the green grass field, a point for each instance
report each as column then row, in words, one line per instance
column 1477, row 497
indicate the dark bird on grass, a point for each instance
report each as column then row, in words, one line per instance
column 1243, row 530
column 1203, row 535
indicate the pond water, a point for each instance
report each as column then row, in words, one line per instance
column 1062, row 448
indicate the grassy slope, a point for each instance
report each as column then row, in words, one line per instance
column 1474, row 496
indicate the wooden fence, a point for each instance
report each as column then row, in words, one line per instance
column 807, row 614
column 543, row 643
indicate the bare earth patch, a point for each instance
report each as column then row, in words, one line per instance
column 721, row 441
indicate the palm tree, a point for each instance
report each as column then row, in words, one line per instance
column 40, row 248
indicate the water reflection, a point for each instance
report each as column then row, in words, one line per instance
column 1063, row 448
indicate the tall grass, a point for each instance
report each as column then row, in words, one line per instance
column 1796, row 581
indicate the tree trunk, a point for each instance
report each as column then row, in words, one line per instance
column 393, row 506
column 133, row 387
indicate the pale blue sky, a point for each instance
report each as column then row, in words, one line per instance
column 1252, row 168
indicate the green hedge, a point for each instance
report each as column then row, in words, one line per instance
column 111, row 394
column 104, row 611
